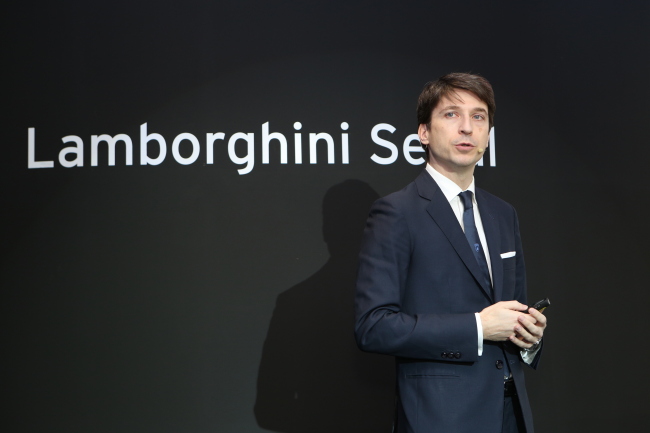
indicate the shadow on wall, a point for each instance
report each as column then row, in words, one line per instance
column 312, row 376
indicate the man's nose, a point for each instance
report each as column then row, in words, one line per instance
column 466, row 125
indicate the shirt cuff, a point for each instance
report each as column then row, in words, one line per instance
column 479, row 331
column 529, row 355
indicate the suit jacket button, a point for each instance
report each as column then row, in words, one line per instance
column 499, row 364
column 444, row 354
column 457, row 355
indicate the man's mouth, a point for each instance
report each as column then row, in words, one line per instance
column 464, row 145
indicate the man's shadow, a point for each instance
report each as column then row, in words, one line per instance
column 312, row 376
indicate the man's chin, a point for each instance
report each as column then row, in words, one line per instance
column 467, row 162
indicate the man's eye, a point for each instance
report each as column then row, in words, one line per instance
column 479, row 117
column 450, row 114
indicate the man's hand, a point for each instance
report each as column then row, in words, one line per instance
column 500, row 321
column 530, row 329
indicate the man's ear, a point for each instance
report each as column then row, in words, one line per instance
column 423, row 133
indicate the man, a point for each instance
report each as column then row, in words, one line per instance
column 441, row 283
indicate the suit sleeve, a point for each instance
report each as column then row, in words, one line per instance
column 381, row 324
column 521, row 291
column 520, row 286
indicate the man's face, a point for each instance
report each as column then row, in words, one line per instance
column 458, row 133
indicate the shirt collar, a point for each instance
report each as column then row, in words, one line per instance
column 447, row 186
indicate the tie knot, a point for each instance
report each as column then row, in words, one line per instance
column 466, row 197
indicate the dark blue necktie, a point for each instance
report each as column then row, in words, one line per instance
column 472, row 235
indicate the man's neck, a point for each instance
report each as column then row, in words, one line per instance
column 461, row 176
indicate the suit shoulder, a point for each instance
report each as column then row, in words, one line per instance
column 400, row 199
column 494, row 202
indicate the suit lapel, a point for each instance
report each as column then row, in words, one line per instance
column 493, row 237
column 441, row 212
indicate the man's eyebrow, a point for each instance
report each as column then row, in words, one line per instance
column 450, row 107
column 456, row 107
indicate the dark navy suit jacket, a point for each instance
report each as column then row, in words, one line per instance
column 418, row 288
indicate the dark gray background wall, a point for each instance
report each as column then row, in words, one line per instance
column 192, row 298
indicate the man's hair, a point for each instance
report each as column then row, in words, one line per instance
column 447, row 86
